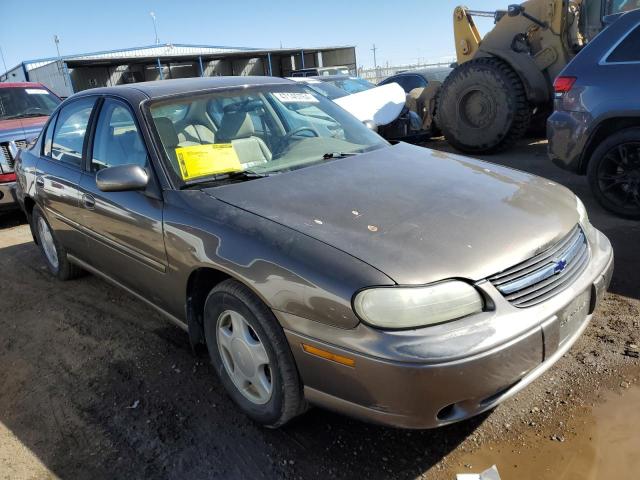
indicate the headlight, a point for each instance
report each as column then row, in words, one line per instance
column 584, row 218
column 406, row 307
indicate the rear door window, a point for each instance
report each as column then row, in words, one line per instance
column 70, row 131
column 628, row 50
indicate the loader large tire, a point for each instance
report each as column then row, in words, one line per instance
column 483, row 107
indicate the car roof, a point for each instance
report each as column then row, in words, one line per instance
column 585, row 64
column 20, row 84
column 425, row 72
column 161, row 88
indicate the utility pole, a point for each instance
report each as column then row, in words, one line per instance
column 155, row 27
column 56, row 40
column 375, row 63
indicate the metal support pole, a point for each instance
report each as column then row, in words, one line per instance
column 160, row 69
column 302, row 57
column 269, row 62
column 201, row 67
column 67, row 76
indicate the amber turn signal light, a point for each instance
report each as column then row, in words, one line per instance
column 318, row 352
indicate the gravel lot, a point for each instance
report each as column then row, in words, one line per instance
column 95, row 385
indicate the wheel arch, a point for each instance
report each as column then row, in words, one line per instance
column 200, row 282
column 29, row 204
column 604, row 129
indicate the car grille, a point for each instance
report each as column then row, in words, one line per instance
column 5, row 155
column 543, row 276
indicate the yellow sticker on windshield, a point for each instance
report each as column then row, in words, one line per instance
column 204, row 160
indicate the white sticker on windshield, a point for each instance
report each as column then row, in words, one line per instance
column 36, row 91
column 295, row 97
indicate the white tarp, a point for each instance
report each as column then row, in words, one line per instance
column 381, row 105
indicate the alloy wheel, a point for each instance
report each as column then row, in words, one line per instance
column 619, row 176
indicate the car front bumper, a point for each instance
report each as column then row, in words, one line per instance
column 568, row 133
column 434, row 376
column 8, row 196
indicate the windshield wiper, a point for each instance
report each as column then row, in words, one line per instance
column 242, row 175
column 24, row 115
column 330, row 155
column 28, row 115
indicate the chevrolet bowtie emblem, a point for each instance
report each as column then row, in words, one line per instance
column 559, row 266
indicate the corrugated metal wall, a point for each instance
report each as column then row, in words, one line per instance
column 14, row 75
column 52, row 72
column 53, row 76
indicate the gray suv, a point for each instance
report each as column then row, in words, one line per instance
column 595, row 129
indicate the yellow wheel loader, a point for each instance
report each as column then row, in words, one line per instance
column 505, row 80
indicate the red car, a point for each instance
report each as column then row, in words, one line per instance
column 24, row 109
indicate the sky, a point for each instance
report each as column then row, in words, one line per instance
column 404, row 32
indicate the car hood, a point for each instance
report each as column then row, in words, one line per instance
column 417, row 215
column 21, row 128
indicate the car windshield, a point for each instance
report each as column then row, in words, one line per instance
column 23, row 102
column 244, row 133
column 351, row 84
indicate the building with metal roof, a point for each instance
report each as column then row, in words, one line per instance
column 68, row 74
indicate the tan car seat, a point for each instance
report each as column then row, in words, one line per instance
column 237, row 128
column 197, row 133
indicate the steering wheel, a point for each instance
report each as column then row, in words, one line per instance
column 296, row 131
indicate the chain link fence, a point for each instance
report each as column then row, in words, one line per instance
column 378, row 74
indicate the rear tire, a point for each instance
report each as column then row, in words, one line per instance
column 614, row 173
column 55, row 256
column 251, row 355
column 483, row 106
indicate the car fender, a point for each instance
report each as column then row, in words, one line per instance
column 280, row 265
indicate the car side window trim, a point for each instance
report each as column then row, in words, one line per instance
column 603, row 61
column 94, row 127
column 63, row 106
column 49, row 127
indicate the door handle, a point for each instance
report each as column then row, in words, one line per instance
column 39, row 182
column 88, row 201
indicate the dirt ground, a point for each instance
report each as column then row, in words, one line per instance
column 94, row 384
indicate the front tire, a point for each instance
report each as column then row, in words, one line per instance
column 251, row 355
column 614, row 173
column 55, row 256
column 483, row 107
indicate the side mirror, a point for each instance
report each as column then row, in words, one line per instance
column 122, row 178
column 370, row 125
